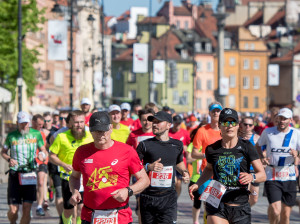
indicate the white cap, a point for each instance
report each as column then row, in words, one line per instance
column 285, row 112
column 85, row 101
column 23, row 117
column 56, row 112
column 125, row 106
column 114, row 107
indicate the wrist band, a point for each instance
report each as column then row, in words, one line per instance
column 146, row 167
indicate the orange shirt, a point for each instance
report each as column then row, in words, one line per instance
column 38, row 150
column 204, row 137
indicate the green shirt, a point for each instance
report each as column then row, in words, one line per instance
column 23, row 148
column 65, row 145
column 195, row 164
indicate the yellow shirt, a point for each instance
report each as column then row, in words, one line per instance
column 120, row 134
column 65, row 145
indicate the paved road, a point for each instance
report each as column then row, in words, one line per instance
column 259, row 211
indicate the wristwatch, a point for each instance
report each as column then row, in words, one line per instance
column 130, row 191
column 254, row 177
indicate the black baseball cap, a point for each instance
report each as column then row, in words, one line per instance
column 177, row 119
column 99, row 121
column 161, row 116
column 228, row 113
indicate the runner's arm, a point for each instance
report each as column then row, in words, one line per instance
column 55, row 160
column 4, row 154
column 196, row 154
column 74, row 182
column 260, row 173
column 206, row 175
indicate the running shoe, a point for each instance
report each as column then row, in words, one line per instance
column 40, row 212
column 46, row 205
column 51, row 195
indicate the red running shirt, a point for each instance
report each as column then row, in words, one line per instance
column 137, row 136
column 105, row 171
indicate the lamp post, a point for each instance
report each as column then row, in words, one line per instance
column 91, row 20
column 56, row 9
column 20, row 75
column 151, row 97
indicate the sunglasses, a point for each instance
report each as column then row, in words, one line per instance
column 62, row 118
column 245, row 124
column 47, row 121
column 228, row 123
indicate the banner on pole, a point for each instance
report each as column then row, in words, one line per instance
column 224, row 86
column 159, row 71
column 273, row 75
column 140, row 58
column 57, row 40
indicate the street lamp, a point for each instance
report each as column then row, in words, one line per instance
column 57, row 9
column 20, row 75
column 91, row 20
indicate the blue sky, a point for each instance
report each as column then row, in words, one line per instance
column 117, row 7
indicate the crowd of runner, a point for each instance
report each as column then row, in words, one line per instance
column 89, row 162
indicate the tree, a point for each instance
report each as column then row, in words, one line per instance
column 31, row 18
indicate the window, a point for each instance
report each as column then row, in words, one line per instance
column 131, row 76
column 256, row 64
column 246, row 83
column 252, row 47
column 208, row 47
column 231, row 101
column 227, row 43
column 199, row 66
column 208, row 101
column 246, row 64
column 256, row 82
column 185, row 98
column 178, row 24
column 198, row 84
column 132, row 94
column 232, row 81
column 245, row 101
column 209, row 85
column 232, row 61
column 184, row 54
column 197, row 47
column 246, row 46
column 256, row 102
column 58, row 78
column 185, row 75
column 186, row 25
column 209, row 66
column 175, row 97
column 198, row 103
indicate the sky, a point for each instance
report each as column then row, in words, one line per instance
column 117, row 7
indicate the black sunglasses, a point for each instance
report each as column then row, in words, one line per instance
column 62, row 118
column 250, row 125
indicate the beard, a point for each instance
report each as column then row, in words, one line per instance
column 78, row 133
column 24, row 132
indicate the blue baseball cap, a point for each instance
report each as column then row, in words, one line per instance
column 215, row 106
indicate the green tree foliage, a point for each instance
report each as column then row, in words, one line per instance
column 31, row 18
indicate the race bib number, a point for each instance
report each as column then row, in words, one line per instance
column 27, row 178
column 281, row 173
column 213, row 193
column 162, row 178
column 105, row 217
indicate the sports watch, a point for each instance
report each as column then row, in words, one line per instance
column 254, row 177
column 130, row 191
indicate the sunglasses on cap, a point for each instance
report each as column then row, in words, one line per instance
column 62, row 118
column 245, row 124
column 228, row 123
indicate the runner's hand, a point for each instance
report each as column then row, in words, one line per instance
column 185, row 177
column 68, row 167
column 12, row 162
column 120, row 195
column 193, row 188
column 245, row 178
column 294, row 153
column 75, row 198
column 265, row 161
column 156, row 166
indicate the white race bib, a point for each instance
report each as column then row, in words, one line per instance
column 162, row 178
column 281, row 173
column 105, row 217
column 27, row 178
column 213, row 193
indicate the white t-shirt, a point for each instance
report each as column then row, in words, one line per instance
column 278, row 145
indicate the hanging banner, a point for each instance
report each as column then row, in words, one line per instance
column 140, row 58
column 159, row 71
column 273, row 75
column 57, row 40
column 224, row 86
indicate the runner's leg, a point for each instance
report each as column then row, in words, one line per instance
column 274, row 211
column 12, row 213
column 212, row 219
column 285, row 214
column 254, row 195
column 26, row 213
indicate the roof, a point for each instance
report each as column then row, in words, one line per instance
column 182, row 11
column 154, row 20
column 278, row 16
column 257, row 16
column 288, row 56
column 206, row 28
column 124, row 16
